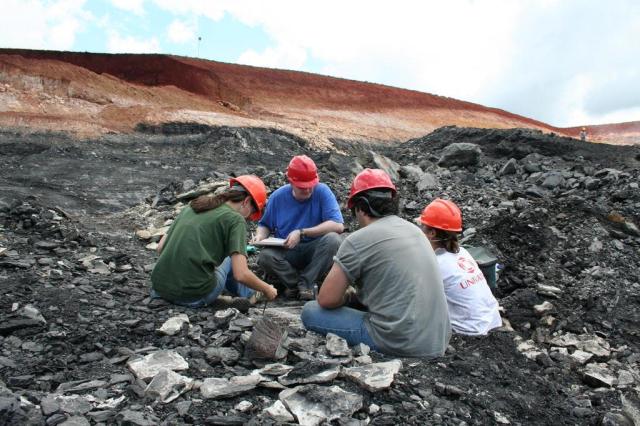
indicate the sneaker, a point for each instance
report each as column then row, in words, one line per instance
column 305, row 294
column 242, row 304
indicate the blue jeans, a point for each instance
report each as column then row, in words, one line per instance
column 347, row 323
column 224, row 274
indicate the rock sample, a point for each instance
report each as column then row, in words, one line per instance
column 266, row 341
column 225, row 388
column 313, row 404
column 310, row 372
column 374, row 377
column 173, row 324
column 152, row 364
column 167, row 386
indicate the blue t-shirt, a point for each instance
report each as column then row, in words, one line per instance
column 284, row 213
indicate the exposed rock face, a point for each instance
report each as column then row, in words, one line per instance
column 90, row 94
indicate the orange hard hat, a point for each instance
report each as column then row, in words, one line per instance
column 302, row 172
column 256, row 189
column 442, row 214
column 369, row 179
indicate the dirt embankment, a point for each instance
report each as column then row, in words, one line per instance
column 90, row 94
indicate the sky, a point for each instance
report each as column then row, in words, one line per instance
column 563, row 62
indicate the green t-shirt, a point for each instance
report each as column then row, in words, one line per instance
column 195, row 245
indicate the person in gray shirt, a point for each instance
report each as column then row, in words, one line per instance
column 403, row 308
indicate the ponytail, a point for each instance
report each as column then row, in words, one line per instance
column 207, row 202
column 447, row 240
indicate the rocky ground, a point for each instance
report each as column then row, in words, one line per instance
column 81, row 343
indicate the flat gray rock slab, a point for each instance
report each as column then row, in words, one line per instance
column 588, row 343
column 74, row 404
column 581, row 357
column 168, row 385
column 49, row 405
column 375, row 376
column 174, row 324
column 150, row 365
column 337, row 346
column 597, row 375
column 216, row 388
column 275, row 369
column 76, row 421
column 279, row 413
column 310, row 372
column 136, row 418
column 314, row 404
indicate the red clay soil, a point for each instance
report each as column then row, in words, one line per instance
column 90, row 94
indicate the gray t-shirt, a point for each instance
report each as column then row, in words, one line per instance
column 394, row 269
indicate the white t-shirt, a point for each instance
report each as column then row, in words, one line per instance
column 472, row 308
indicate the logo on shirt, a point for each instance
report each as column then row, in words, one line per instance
column 466, row 265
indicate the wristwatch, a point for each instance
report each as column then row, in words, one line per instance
column 301, row 232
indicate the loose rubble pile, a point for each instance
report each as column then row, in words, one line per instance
column 81, row 343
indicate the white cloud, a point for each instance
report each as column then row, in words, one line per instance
column 288, row 57
column 37, row 24
column 134, row 6
column 181, row 32
column 525, row 56
column 128, row 44
column 213, row 10
column 559, row 61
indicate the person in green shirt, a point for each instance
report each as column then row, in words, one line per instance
column 204, row 251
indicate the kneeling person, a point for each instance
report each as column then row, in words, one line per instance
column 472, row 308
column 306, row 214
column 395, row 273
column 204, row 251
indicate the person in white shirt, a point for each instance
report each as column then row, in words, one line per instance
column 472, row 308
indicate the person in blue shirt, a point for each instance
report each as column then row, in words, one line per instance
column 306, row 214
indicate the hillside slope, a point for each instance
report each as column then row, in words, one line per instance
column 90, row 94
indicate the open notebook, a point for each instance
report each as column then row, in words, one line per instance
column 271, row 241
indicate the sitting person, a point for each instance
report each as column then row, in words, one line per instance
column 472, row 308
column 306, row 214
column 395, row 274
column 205, row 249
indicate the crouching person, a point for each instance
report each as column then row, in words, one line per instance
column 204, row 251
column 472, row 308
column 396, row 276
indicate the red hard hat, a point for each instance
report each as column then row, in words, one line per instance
column 302, row 172
column 442, row 214
column 255, row 187
column 369, row 179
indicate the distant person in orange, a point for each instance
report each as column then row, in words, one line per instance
column 583, row 134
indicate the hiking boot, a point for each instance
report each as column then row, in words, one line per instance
column 291, row 293
column 242, row 304
column 257, row 297
column 305, row 294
